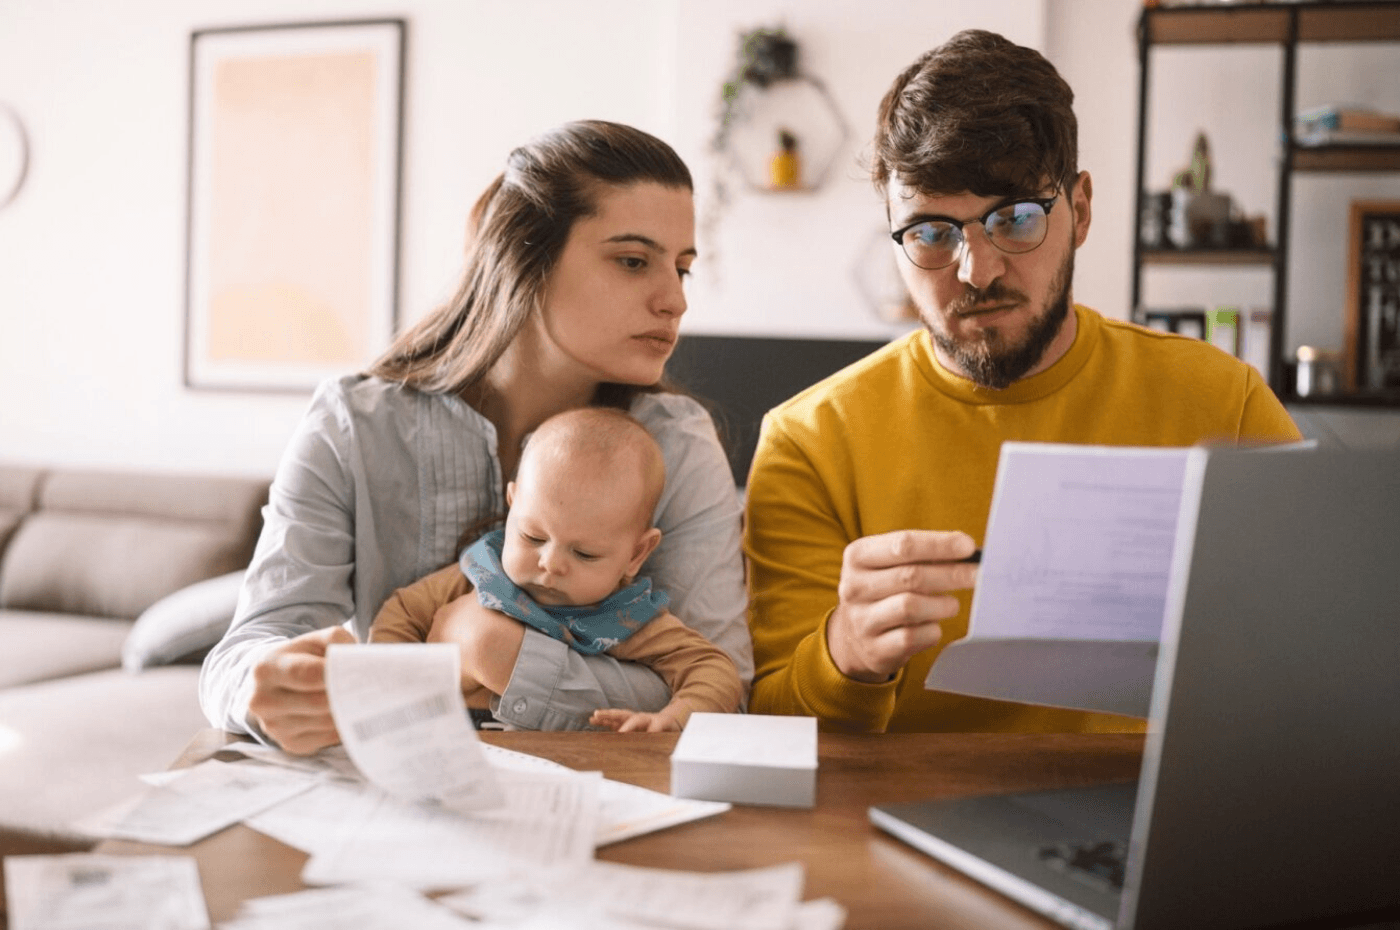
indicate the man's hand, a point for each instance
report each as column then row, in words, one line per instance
column 894, row 591
column 635, row 721
column 489, row 640
column 289, row 692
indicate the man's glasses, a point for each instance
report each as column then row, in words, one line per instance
column 1014, row 227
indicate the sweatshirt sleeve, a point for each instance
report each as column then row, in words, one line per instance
column 795, row 542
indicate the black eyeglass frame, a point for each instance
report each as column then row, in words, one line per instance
column 1045, row 204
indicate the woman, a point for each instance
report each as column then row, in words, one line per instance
column 572, row 296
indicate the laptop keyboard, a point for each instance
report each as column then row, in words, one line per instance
column 1100, row 864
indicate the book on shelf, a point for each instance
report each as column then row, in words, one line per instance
column 1334, row 117
column 1320, row 137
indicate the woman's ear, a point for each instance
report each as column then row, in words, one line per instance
column 646, row 544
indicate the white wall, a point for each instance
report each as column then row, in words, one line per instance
column 92, row 252
column 786, row 262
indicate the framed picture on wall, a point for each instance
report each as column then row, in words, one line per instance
column 1373, row 297
column 293, row 211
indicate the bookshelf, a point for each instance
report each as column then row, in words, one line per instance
column 1287, row 26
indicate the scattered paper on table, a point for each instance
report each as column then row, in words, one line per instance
column 399, row 710
column 349, row 907
column 627, row 810
column 549, row 821
column 84, row 890
column 607, row 895
column 631, row 810
column 197, row 802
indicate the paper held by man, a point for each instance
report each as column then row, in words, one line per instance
column 1072, row 587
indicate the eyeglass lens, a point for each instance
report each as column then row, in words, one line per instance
column 1016, row 227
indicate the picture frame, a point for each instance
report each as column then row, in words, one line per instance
column 1372, row 350
column 295, row 153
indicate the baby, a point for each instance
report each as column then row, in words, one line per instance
column 576, row 534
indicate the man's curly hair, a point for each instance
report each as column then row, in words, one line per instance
column 980, row 114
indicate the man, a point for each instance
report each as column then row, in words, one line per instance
column 868, row 489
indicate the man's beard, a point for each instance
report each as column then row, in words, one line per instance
column 986, row 358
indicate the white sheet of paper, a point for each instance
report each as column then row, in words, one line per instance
column 752, row 899
column 399, row 710
column 349, row 907
column 629, row 810
column 322, row 818
column 82, row 890
column 625, row 810
column 1071, row 592
column 548, row 821
column 190, row 804
column 624, row 896
column 332, row 761
column 1079, row 543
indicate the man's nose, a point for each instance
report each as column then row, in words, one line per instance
column 981, row 263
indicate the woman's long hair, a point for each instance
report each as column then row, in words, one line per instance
column 516, row 233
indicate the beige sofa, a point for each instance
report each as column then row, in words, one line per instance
column 112, row 586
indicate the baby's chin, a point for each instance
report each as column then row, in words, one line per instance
column 552, row 597
column 547, row 596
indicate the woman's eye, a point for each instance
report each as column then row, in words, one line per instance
column 633, row 263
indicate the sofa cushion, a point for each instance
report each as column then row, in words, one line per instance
column 112, row 544
column 37, row 646
column 19, row 495
column 184, row 625
column 72, row 747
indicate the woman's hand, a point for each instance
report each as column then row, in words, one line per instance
column 489, row 640
column 289, row 699
column 894, row 594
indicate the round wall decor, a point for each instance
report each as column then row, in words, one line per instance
column 14, row 154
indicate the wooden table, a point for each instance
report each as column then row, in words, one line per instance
column 883, row 884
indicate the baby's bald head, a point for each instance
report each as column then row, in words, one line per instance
column 600, row 447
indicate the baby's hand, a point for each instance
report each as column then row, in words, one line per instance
column 633, row 721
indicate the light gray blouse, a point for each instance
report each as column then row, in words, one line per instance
column 376, row 486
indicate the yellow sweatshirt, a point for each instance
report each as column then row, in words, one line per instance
column 896, row 441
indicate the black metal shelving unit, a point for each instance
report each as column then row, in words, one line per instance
column 1286, row 25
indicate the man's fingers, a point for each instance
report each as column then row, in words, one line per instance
column 905, row 610
column 904, row 546
column 899, row 643
column 912, row 578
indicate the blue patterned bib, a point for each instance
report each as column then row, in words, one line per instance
column 589, row 630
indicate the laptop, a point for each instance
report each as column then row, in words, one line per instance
column 1269, row 793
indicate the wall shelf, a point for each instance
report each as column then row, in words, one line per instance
column 1206, row 256
column 1270, row 23
column 1286, row 25
column 1346, row 158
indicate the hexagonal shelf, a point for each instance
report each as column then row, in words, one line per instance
column 799, row 108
